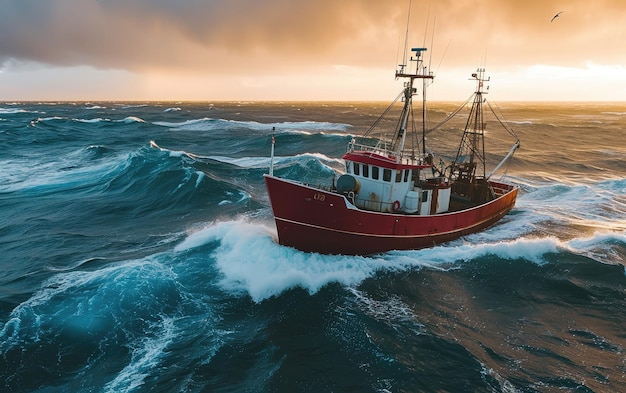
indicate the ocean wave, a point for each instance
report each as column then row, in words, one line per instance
column 392, row 311
column 46, row 119
column 530, row 249
column 158, row 181
column 118, row 322
column 133, row 106
column 98, row 151
column 311, row 126
column 276, row 268
column 178, row 153
column 97, row 120
column 131, row 119
column 126, row 120
column 146, row 355
column 264, row 162
column 93, row 121
column 174, row 109
column 614, row 113
column 210, row 124
column 62, row 174
column 603, row 246
column 592, row 204
column 247, row 162
column 13, row 111
column 54, row 301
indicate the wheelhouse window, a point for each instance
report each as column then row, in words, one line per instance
column 387, row 174
column 398, row 176
column 348, row 167
column 356, row 168
column 406, row 175
column 366, row 170
column 375, row 172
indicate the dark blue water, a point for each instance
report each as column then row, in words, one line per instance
column 138, row 254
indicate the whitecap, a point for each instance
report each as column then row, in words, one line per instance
column 13, row 111
column 131, row 119
column 128, row 106
column 191, row 125
column 145, row 356
column 601, row 246
column 46, row 119
column 264, row 162
column 208, row 124
column 92, row 121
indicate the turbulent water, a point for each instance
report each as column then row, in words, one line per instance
column 139, row 254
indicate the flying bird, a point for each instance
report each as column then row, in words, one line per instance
column 556, row 16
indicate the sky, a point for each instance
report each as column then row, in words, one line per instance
column 311, row 50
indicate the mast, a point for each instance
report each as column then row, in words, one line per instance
column 471, row 153
column 409, row 91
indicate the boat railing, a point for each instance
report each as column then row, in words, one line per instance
column 384, row 149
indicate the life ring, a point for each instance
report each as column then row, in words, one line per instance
column 396, row 206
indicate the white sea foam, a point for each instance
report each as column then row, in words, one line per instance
column 92, row 121
column 44, row 119
column 12, row 111
column 56, row 302
column 131, row 119
column 391, row 310
column 264, row 162
column 203, row 124
column 272, row 268
column 200, row 177
column 532, row 249
column 132, row 106
column 209, row 124
column 176, row 109
column 600, row 246
column 594, row 205
column 145, row 356
column 19, row 174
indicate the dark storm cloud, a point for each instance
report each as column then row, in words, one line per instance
column 230, row 35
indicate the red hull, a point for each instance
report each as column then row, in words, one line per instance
column 314, row 220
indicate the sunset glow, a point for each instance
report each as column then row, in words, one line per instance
column 308, row 50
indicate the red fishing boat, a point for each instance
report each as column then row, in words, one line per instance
column 392, row 196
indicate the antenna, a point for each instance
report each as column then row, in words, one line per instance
column 426, row 28
column 406, row 39
column 432, row 44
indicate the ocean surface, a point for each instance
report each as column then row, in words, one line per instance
column 138, row 254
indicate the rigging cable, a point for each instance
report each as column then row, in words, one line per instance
column 369, row 130
column 451, row 115
column 504, row 125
